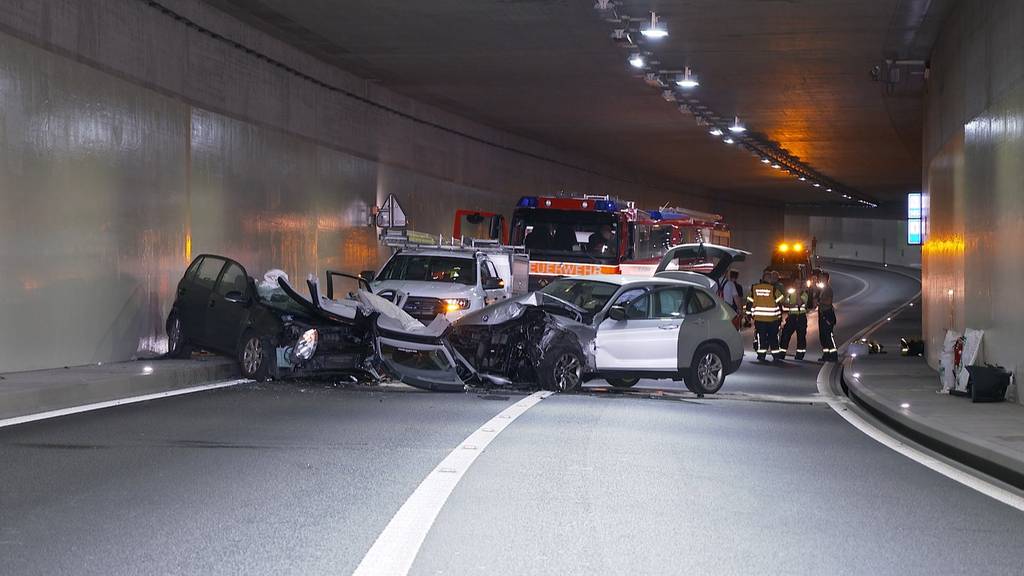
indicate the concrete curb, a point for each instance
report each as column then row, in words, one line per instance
column 25, row 393
column 976, row 453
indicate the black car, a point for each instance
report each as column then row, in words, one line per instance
column 272, row 330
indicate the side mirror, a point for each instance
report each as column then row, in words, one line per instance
column 617, row 313
column 493, row 283
column 368, row 275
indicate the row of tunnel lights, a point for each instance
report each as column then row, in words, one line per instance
column 655, row 30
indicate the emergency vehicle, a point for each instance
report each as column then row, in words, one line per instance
column 602, row 235
column 792, row 260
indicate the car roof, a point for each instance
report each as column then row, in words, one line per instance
column 467, row 253
column 624, row 279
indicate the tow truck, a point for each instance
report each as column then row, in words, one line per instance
column 792, row 260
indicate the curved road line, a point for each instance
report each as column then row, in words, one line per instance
column 841, row 406
column 395, row 550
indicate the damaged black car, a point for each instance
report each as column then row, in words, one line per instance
column 272, row 330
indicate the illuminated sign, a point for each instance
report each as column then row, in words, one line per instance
column 541, row 268
column 915, row 229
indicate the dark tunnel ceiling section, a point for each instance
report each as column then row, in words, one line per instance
column 797, row 71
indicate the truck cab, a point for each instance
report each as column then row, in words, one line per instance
column 450, row 280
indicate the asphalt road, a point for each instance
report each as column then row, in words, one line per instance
column 301, row 478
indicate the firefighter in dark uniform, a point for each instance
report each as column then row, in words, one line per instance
column 795, row 304
column 826, row 320
column 763, row 304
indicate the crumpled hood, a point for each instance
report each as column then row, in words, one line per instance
column 424, row 289
column 506, row 310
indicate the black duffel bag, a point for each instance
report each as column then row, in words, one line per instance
column 988, row 383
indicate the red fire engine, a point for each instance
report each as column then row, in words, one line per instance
column 602, row 235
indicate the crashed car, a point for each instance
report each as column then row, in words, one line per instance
column 621, row 328
column 270, row 328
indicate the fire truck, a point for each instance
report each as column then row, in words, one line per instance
column 603, row 235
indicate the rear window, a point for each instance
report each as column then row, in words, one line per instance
column 431, row 269
column 209, row 269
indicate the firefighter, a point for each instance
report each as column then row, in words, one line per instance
column 826, row 320
column 795, row 304
column 763, row 304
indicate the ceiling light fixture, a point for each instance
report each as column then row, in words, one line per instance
column 636, row 61
column 728, row 140
column 654, row 31
column 765, row 161
column 715, row 132
column 736, row 127
column 816, row 185
column 802, row 179
column 688, row 80
column 776, row 166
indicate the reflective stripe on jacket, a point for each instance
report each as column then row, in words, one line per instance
column 796, row 302
column 763, row 302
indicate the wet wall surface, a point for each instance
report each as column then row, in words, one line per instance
column 130, row 143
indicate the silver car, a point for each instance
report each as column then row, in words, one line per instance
column 621, row 328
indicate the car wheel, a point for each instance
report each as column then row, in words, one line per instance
column 561, row 370
column 253, row 357
column 177, row 344
column 706, row 373
column 623, row 382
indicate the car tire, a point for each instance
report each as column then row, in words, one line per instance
column 254, row 356
column 177, row 344
column 561, row 369
column 706, row 373
column 623, row 382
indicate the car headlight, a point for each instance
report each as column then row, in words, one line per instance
column 305, row 346
column 455, row 304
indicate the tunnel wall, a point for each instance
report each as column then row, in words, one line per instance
column 973, row 262
column 868, row 239
column 131, row 141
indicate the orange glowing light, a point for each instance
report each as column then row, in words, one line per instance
column 949, row 245
column 783, row 247
column 798, row 247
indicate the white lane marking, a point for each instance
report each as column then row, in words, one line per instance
column 862, row 290
column 118, row 402
column 839, row 405
column 394, row 551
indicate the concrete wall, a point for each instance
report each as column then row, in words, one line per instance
column 867, row 239
column 974, row 176
column 130, row 142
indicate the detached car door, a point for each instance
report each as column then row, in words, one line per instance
column 227, row 311
column 648, row 339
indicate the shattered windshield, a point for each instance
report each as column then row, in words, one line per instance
column 588, row 295
column 430, row 268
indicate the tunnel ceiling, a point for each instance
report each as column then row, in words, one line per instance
column 797, row 72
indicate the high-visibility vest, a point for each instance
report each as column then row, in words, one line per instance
column 763, row 302
column 796, row 302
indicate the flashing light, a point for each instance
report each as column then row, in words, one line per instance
column 821, row 285
column 798, row 247
column 527, row 202
column 783, row 247
column 791, row 291
column 606, row 205
column 455, row 304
